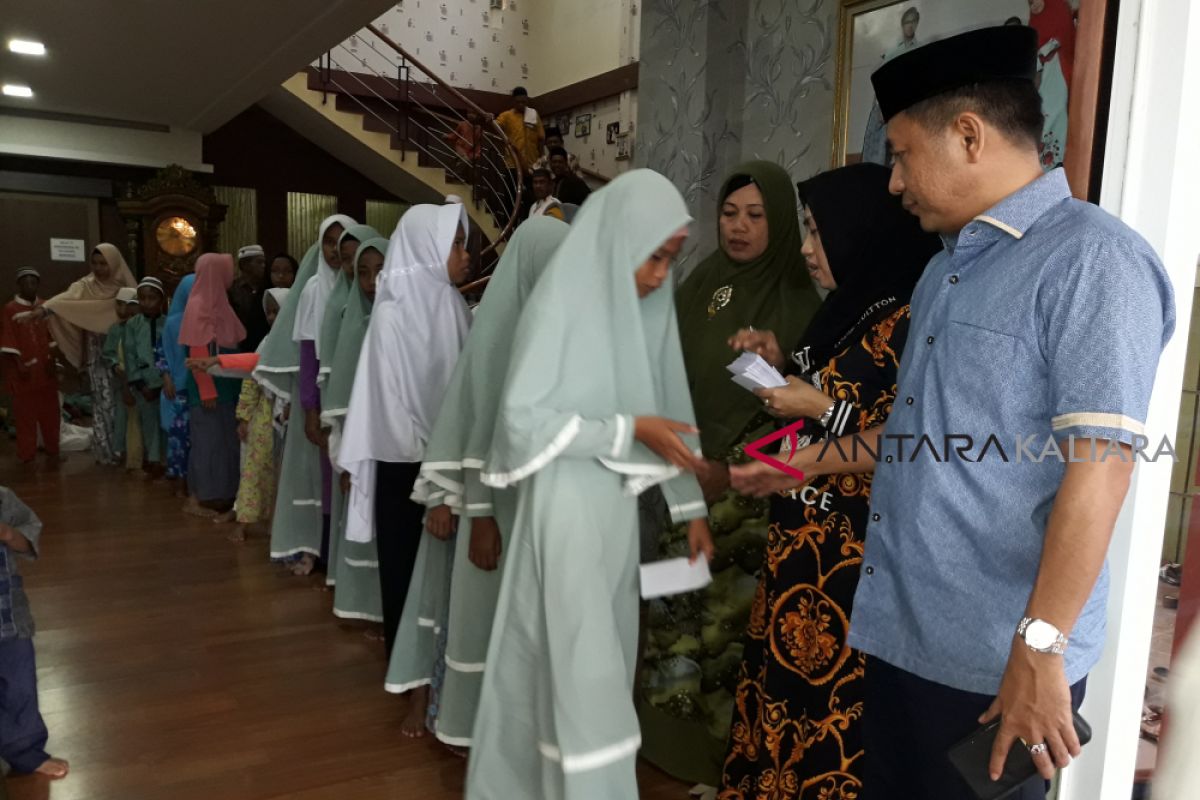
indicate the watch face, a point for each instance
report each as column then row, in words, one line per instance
column 176, row 236
column 1041, row 635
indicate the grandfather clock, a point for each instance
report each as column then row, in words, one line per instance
column 170, row 220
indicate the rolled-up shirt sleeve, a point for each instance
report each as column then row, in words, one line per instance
column 1105, row 322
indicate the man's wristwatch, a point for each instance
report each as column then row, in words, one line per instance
column 1042, row 637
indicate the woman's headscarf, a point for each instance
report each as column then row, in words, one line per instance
column 771, row 293
column 417, row 330
column 335, row 399
column 335, row 306
column 208, row 316
column 463, row 432
column 876, row 252
column 587, row 347
column 315, row 291
column 87, row 304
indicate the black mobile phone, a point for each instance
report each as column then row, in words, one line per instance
column 972, row 755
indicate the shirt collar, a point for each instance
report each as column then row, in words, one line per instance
column 1016, row 214
column 23, row 301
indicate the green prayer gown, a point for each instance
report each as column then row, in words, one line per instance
column 353, row 566
column 447, row 589
column 296, row 522
column 556, row 719
column 331, row 330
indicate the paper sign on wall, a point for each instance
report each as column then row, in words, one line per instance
column 67, row 250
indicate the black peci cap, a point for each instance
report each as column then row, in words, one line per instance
column 1007, row 52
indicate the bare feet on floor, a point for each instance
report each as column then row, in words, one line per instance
column 225, row 518
column 413, row 724
column 304, row 566
column 374, row 634
column 54, row 768
column 193, row 507
column 238, row 535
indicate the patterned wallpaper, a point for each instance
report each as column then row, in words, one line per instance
column 470, row 44
column 724, row 81
column 594, row 150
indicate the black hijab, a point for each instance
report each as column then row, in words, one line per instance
column 876, row 251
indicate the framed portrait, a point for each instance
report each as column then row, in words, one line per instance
column 583, row 126
column 624, row 146
column 1070, row 55
column 613, row 129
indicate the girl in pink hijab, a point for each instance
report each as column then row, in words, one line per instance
column 210, row 327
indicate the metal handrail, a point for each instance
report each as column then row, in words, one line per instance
column 485, row 117
column 491, row 149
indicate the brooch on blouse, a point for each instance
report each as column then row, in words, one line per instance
column 720, row 299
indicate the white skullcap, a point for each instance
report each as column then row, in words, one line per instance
column 250, row 251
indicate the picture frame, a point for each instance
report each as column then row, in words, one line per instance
column 871, row 32
column 583, row 126
column 624, row 147
column 612, row 131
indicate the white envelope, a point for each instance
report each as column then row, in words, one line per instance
column 674, row 576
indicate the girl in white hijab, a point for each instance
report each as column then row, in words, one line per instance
column 417, row 329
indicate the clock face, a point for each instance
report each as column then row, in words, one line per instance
column 176, row 236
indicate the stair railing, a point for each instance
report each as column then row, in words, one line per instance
column 426, row 117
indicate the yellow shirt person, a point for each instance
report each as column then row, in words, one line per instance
column 523, row 127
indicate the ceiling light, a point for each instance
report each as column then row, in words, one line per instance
column 13, row 90
column 26, row 47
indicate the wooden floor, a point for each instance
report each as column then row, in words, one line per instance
column 174, row 665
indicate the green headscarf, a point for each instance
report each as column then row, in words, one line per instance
column 335, row 399
column 588, row 347
column 463, row 431
column 335, row 306
column 279, row 356
column 771, row 293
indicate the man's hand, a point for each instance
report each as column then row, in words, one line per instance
column 439, row 521
column 202, row 364
column 127, row 396
column 168, row 386
column 243, row 430
column 209, row 403
column 345, row 482
column 1034, row 706
column 700, row 541
column 150, row 394
column 485, row 543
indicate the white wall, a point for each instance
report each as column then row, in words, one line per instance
column 594, row 151
column 99, row 143
column 578, row 39
column 1150, row 173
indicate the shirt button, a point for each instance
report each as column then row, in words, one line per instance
column 954, row 279
column 870, row 570
column 908, row 401
column 929, row 340
column 875, row 517
column 888, row 459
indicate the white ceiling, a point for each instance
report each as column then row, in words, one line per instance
column 186, row 64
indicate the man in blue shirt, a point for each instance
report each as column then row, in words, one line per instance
column 984, row 586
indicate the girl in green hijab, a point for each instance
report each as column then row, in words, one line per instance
column 456, row 582
column 353, row 566
column 755, row 279
column 331, row 328
column 593, row 411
